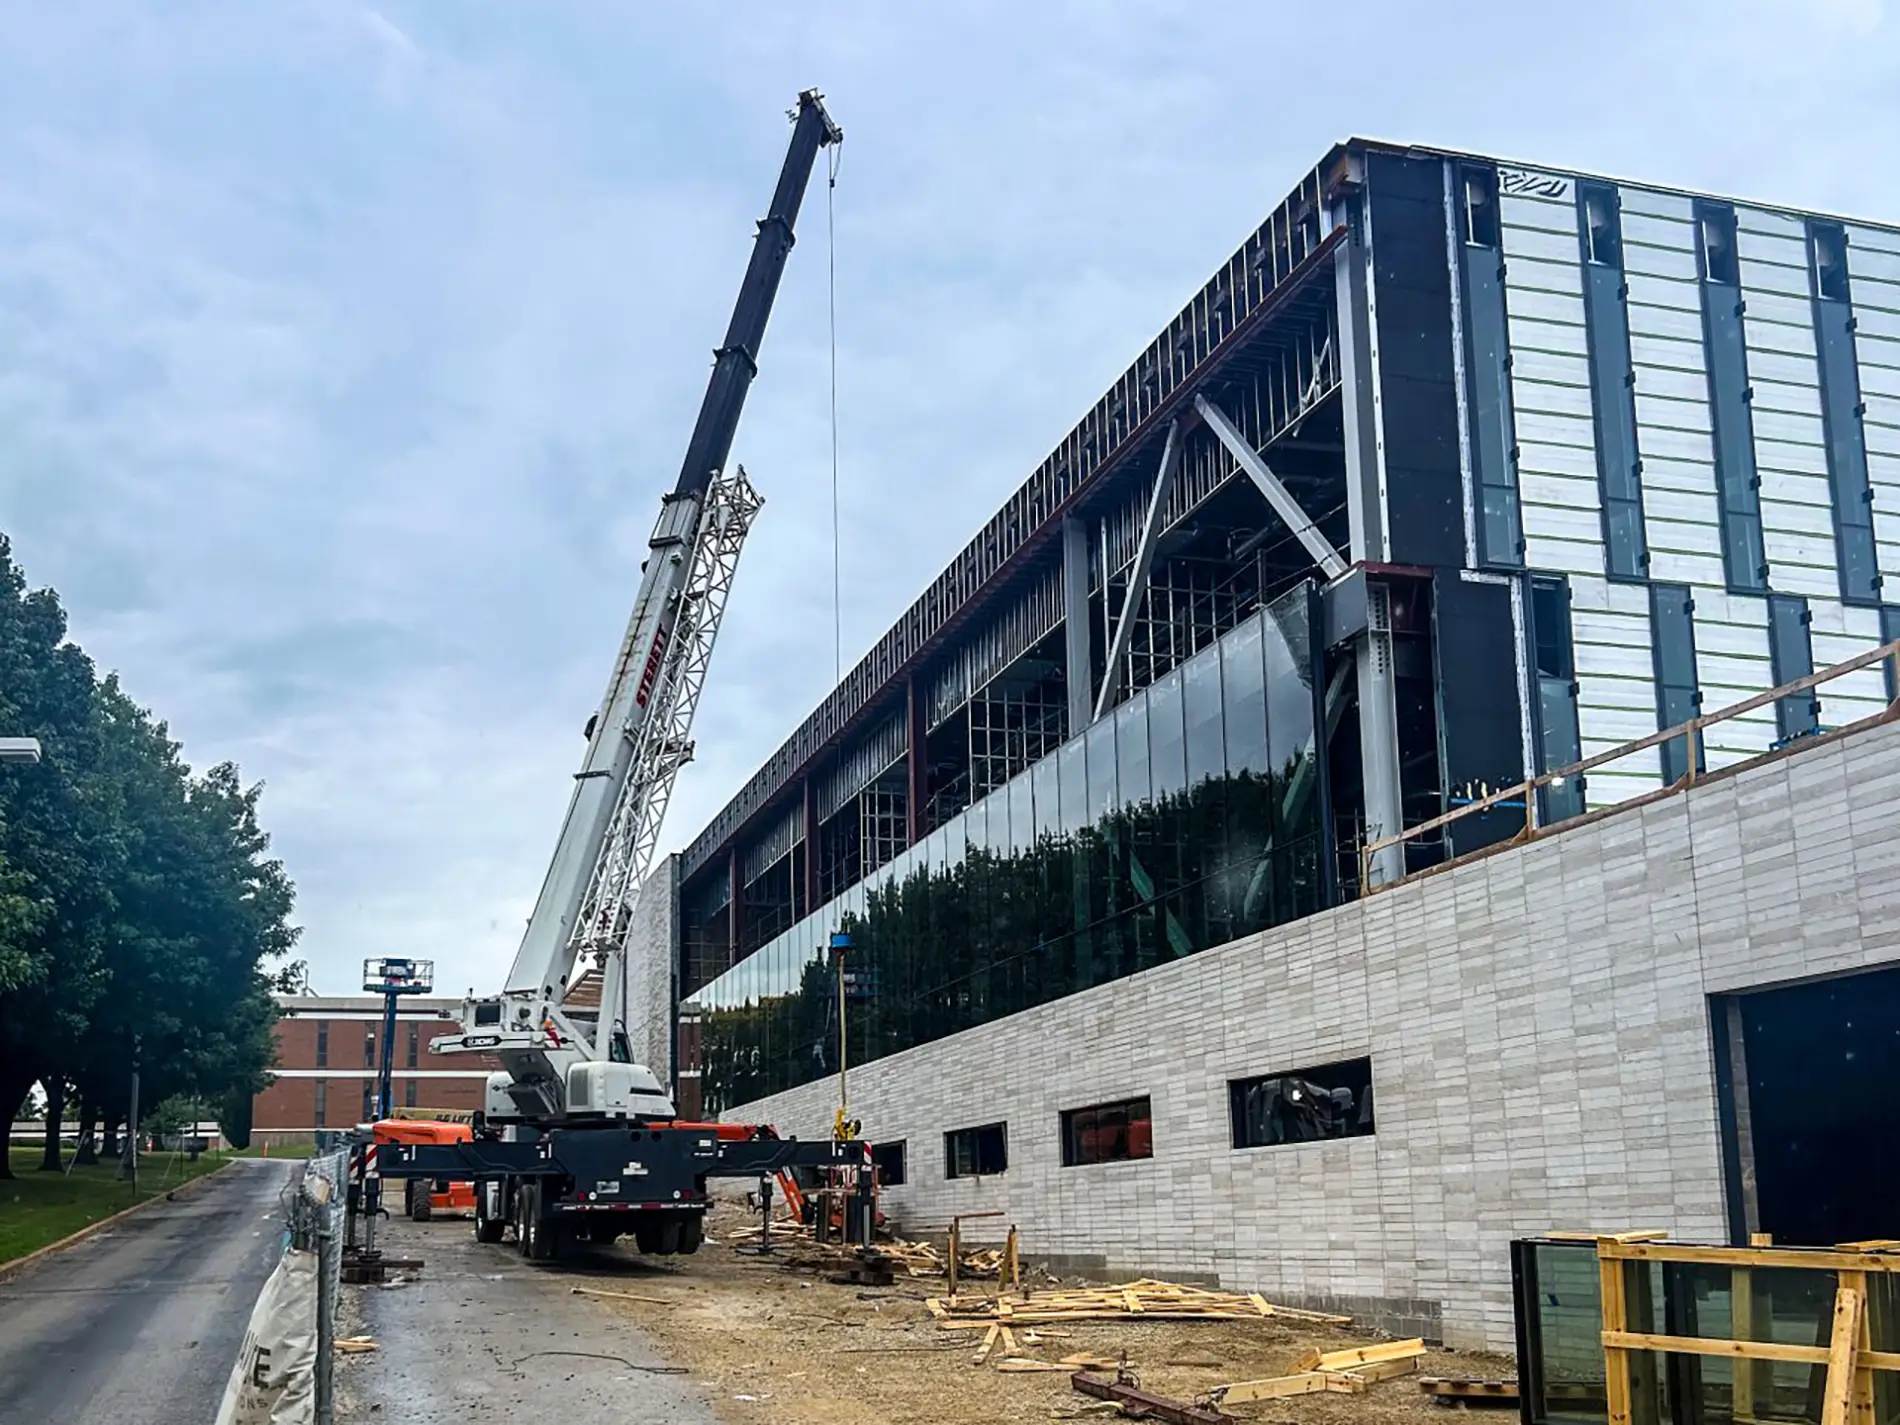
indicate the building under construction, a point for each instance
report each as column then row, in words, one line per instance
column 1458, row 473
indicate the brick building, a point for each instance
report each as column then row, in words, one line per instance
column 328, row 1050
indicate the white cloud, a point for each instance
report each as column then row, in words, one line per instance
column 344, row 351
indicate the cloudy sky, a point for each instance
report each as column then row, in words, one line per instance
column 345, row 351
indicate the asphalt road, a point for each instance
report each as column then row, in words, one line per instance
column 481, row 1335
column 141, row 1323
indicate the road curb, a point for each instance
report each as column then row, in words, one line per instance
column 8, row 1270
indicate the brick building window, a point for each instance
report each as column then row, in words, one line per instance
column 415, row 1043
column 1108, row 1133
column 369, row 1102
column 323, row 1088
column 409, row 1094
column 888, row 1159
column 1302, row 1105
column 369, row 1048
column 323, row 1047
column 976, row 1152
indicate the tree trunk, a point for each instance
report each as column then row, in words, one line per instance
column 50, row 1161
column 13, row 1090
column 88, row 1154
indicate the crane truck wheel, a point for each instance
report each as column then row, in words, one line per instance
column 692, row 1233
column 488, row 1229
column 524, row 1214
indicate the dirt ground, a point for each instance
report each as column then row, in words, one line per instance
column 791, row 1348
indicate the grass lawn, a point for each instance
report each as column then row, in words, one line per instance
column 37, row 1208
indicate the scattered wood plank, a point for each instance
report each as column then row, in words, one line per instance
column 357, row 1345
column 1355, row 1357
column 622, row 1296
column 1146, row 1299
column 1280, row 1387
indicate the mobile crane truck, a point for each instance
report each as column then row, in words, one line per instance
column 576, row 1142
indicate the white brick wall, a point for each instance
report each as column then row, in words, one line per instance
column 1538, row 1027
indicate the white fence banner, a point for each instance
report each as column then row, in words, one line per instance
column 274, row 1381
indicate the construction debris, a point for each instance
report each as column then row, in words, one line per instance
column 1125, row 1389
column 357, row 1345
column 1346, row 1372
column 1468, row 1390
column 1146, row 1298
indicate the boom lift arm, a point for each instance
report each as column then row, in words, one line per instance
column 638, row 739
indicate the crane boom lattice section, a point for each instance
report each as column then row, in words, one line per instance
column 663, row 744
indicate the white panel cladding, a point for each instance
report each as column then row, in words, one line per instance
column 1797, row 512
column 1616, row 684
column 1559, row 497
column 1840, row 632
column 1877, row 352
column 1866, row 237
column 1648, row 203
column 1673, row 429
column 1732, row 665
column 1538, row 1026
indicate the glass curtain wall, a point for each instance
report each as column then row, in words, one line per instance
column 1187, row 818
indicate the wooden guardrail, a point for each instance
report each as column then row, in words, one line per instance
column 1524, row 793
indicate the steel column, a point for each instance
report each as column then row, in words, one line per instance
column 735, row 908
column 1138, row 575
column 810, row 826
column 1379, row 736
column 915, row 766
column 1075, row 620
column 1358, row 381
column 1269, row 484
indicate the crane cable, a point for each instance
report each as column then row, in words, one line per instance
column 831, row 256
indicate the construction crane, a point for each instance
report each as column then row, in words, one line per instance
column 567, row 1160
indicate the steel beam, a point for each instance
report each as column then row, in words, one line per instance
column 1075, row 619
column 1138, row 576
column 1277, row 494
column 1379, row 737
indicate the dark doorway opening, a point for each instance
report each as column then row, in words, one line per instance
column 1809, row 1082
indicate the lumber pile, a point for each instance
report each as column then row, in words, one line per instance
column 1346, row 1372
column 1146, row 1299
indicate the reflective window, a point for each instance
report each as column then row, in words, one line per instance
column 1022, row 814
column 1560, row 740
column 1131, row 751
column 1166, row 737
column 1073, row 785
column 1108, row 1133
column 1101, row 771
column 1302, row 1105
column 1678, row 690
column 1487, row 359
column 1792, row 651
column 1201, row 700
column 1612, row 381
column 1244, row 698
column 1841, row 416
column 976, row 1152
column 1725, row 350
column 1889, row 631
column 1048, row 802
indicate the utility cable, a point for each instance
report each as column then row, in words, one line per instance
column 837, row 580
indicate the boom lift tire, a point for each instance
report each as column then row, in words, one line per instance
column 417, row 1190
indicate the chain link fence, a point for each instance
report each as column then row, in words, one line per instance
column 317, row 1224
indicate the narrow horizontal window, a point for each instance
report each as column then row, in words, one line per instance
column 1302, row 1105
column 1107, row 1133
column 976, row 1152
column 1792, row 650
